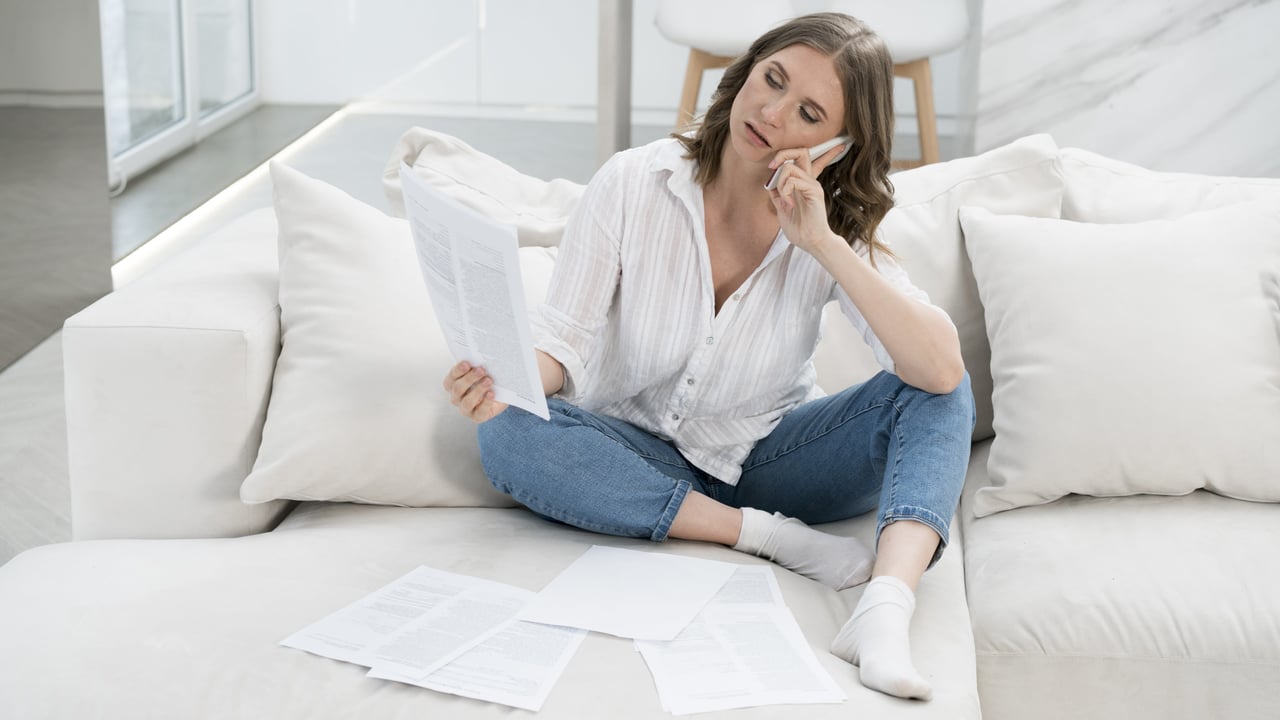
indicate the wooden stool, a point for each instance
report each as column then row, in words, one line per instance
column 914, row 31
column 716, row 32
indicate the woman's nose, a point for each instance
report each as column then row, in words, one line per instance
column 772, row 112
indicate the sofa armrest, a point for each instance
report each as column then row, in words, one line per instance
column 167, row 381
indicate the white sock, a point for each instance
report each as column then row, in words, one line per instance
column 838, row 562
column 875, row 639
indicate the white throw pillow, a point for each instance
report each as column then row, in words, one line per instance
column 1022, row 178
column 357, row 412
column 539, row 209
column 1103, row 190
column 1127, row 359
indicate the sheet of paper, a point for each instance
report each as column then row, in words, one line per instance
column 436, row 637
column 628, row 593
column 471, row 266
column 737, row 655
column 352, row 633
column 743, row 650
column 517, row 666
column 416, row 623
column 749, row 585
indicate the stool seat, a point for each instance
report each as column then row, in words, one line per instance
column 719, row 27
column 912, row 29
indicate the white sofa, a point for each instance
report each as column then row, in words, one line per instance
column 172, row 599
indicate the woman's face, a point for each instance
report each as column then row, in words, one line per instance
column 792, row 99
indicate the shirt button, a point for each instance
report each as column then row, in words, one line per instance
column 689, row 381
column 674, row 416
column 710, row 340
column 737, row 296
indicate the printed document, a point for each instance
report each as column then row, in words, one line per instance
column 471, row 266
column 628, row 593
column 743, row 650
column 517, row 666
column 356, row 633
column 446, row 632
column 434, row 638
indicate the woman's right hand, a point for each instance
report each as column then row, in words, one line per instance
column 471, row 391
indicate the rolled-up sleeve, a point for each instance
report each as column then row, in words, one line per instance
column 890, row 270
column 588, row 265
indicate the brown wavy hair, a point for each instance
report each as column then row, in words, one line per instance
column 857, row 188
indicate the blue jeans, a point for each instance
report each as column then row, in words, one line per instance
column 882, row 444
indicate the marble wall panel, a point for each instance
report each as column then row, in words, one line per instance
column 1179, row 85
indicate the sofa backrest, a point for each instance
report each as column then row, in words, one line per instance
column 1102, row 190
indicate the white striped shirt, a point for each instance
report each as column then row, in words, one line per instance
column 630, row 314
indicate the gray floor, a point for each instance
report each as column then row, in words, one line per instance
column 55, row 224
column 351, row 153
column 159, row 197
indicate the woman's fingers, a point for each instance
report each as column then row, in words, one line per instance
column 475, row 395
column 459, row 381
column 471, row 391
column 454, row 374
column 822, row 161
column 791, row 156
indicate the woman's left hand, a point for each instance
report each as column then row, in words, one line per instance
column 798, row 197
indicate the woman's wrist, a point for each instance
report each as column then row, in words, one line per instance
column 831, row 250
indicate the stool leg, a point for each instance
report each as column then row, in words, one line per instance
column 926, row 120
column 692, row 83
column 699, row 62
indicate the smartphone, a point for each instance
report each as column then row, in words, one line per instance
column 816, row 152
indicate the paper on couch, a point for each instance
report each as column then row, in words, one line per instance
column 743, row 650
column 517, row 666
column 373, row 629
column 471, row 267
column 628, row 593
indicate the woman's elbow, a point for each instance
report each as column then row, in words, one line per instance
column 942, row 378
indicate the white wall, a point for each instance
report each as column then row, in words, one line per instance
column 489, row 55
column 50, row 50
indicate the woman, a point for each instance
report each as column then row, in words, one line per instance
column 678, row 334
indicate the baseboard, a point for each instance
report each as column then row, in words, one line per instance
column 45, row 99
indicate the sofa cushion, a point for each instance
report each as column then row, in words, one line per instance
column 357, row 411
column 1134, row 607
column 1134, row 358
column 175, row 629
column 1102, row 190
column 923, row 229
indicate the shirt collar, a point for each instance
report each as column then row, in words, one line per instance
column 670, row 157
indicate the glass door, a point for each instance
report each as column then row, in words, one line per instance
column 174, row 72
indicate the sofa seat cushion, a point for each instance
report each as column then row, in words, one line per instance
column 190, row 628
column 1139, row 607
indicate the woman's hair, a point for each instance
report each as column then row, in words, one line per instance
column 857, row 188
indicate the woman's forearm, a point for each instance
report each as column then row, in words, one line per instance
column 922, row 341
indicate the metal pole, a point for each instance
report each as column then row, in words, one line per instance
column 613, row 80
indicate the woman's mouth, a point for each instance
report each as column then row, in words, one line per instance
column 755, row 136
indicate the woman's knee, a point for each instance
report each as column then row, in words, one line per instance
column 958, row 403
column 504, row 445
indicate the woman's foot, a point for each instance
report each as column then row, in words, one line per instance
column 838, row 562
column 875, row 639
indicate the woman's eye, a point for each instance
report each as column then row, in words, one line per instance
column 773, row 82
column 808, row 116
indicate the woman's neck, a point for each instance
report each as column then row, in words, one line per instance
column 738, row 188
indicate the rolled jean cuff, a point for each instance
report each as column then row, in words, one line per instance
column 920, row 515
column 668, row 516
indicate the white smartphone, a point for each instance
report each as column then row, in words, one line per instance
column 816, row 152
